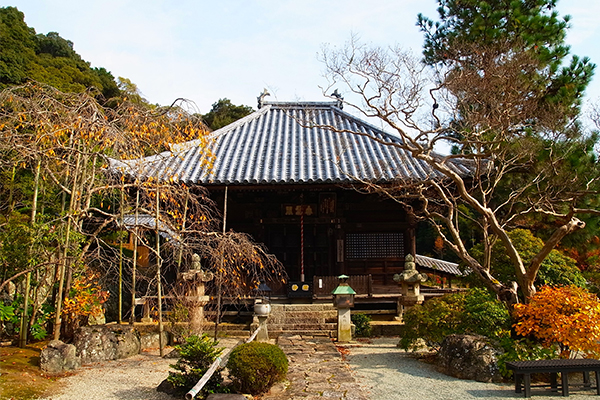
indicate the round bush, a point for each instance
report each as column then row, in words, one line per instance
column 255, row 366
column 362, row 323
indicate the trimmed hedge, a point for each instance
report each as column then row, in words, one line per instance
column 255, row 366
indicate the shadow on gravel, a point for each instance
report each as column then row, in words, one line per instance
column 495, row 394
column 141, row 392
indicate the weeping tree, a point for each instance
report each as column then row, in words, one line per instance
column 56, row 146
column 236, row 262
column 495, row 86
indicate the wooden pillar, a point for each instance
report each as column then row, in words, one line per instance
column 411, row 231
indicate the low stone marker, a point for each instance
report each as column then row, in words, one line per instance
column 58, row 357
column 469, row 357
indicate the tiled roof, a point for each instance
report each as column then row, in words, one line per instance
column 440, row 265
column 289, row 143
column 146, row 221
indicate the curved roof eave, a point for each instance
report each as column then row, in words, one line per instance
column 289, row 143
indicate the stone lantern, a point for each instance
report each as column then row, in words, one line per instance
column 410, row 281
column 343, row 300
column 262, row 310
column 195, row 297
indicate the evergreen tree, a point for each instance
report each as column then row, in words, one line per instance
column 482, row 36
column 50, row 59
column 223, row 113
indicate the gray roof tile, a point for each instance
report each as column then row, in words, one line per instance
column 440, row 265
column 288, row 143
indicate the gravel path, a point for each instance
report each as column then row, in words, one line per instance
column 133, row 378
column 386, row 372
column 383, row 371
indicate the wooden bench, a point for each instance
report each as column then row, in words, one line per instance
column 524, row 369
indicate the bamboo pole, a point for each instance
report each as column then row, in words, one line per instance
column 219, row 273
column 185, row 207
column 158, row 274
column 11, row 205
column 24, row 323
column 207, row 375
column 63, row 264
column 134, row 266
column 121, row 253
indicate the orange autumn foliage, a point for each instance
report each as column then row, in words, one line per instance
column 564, row 316
column 85, row 300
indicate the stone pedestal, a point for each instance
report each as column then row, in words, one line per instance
column 146, row 316
column 262, row 310
column 344, row 331
column 196, row 309
column 263, row 333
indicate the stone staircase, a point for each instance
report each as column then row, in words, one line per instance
column 289, row 319
column 302, row 319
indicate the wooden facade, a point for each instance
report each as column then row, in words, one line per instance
column 325, row 230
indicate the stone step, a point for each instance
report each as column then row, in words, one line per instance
column 302, row 307
column 302, row 314
column 292, row 320
column 295, row 327
column 322, row 333
column 242, row 334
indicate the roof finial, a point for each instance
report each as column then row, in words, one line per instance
column 262, row 96
column 337, row 95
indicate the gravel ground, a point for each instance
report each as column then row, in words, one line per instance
column 133, row 378
column 386, row 372
column 383, row 371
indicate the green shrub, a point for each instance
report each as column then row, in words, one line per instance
column 255, row 366
column 6, row 312
column 522, row 350
column 475, row 311
column 362, row 325
column 195, row 357
column 432, row 321
column 484, row 315
column 179, row 319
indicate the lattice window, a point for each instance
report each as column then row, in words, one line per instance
column 375, row 245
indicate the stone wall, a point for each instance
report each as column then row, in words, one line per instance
column 98, row 343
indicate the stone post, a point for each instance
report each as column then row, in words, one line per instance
column 344, row 331
column 146, row 315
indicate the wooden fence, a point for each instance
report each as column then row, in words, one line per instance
column 324, row 285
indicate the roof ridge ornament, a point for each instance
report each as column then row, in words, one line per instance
column 262, row 96
column 340, row 99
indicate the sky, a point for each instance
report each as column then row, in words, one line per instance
column 204, row 50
